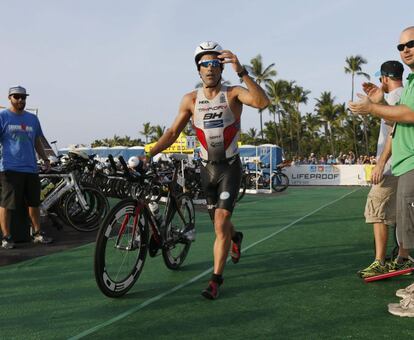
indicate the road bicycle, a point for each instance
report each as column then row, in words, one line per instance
column 263, row 179
column 132, row 229
column 280, row 181
column 66, row 201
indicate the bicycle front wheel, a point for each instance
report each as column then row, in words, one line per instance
column 280, row 181
column 121, row 248
column 176, row 247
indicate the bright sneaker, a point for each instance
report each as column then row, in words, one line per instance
column 407, row 264
column 7, row 242
column 40, row 237
column 235, row 252
column 374, row 269
column 404, row 308
column 407, row 291
column 212, row 291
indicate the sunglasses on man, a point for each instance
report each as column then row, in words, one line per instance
column 207, row 63
column 19, row 96
column 409, row 44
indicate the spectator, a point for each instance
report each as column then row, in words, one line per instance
column 380, row 205
column 312, row 159
column 331, row 160
column 402, row 139
column 351, row 157
column 20, row 137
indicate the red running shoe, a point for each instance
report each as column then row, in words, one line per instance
column 212, row 291
column 235, row 252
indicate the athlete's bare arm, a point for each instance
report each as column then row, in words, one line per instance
column 171, row 135
column 254, row 95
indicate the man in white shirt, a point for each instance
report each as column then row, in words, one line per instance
column 380, row 209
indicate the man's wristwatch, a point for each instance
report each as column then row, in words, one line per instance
column 242, row 73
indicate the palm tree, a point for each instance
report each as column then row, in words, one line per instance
column 262, row 75
column 249, row 137
column 276, row 90
column 328, row 113
column 289, row 108
column 298, row 96
column 116, row 140
column 311, row 131
column 354, row 67
column 157, row 132
column 147, row 131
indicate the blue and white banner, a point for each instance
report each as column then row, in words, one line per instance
column 329, row 174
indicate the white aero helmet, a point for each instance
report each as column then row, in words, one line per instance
column 206, row 47
column 133, row 161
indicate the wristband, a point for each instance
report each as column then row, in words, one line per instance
column 243, row 73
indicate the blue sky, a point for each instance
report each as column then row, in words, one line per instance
column 99, row 68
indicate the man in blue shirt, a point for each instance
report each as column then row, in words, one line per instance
column 20, row 139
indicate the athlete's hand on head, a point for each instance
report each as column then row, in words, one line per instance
column 374, row 92
column 361, row 107
column 228, row 57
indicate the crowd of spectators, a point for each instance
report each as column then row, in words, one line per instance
column 342, row 158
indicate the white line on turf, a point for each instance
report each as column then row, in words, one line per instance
column 199, row 276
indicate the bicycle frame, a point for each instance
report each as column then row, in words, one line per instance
column 158, row 230
column 69, row 182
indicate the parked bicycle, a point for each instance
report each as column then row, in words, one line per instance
column 132, row 229
column 262, row 179
column 66, row 201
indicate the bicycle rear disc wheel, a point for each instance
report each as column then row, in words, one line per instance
column 121, row 248
column 280, row 182
column 176, row 246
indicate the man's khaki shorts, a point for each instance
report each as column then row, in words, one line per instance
column 381, row 202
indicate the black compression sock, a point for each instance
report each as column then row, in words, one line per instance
column 217, row 278
column 236, row 237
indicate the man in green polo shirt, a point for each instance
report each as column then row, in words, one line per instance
column 402, row 157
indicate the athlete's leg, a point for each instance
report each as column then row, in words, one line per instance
column 223, row 229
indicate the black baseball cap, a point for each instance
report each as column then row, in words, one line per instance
column 391, row 68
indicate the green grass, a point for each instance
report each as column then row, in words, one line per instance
column 299, row 284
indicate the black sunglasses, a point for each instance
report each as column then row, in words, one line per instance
column 19, row 96
column 409, row 44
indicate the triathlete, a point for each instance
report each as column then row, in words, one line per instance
column 215, row 110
